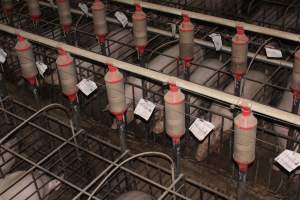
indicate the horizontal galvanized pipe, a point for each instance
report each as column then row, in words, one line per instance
column 185, row 85
column 204, row 43
column 216, row 20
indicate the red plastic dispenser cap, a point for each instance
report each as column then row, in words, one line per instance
column 240, row 38
column 186, row 19
column 22, row 44
column 112, row 68
column 173, row 87
column 245, row 111
column 61, row 51
column 20, row 38
column 138, row 8
column 240, row 29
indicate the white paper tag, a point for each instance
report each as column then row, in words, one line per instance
column 144, row 109
column 217, row 39
column 288, row 159
column 273, row 53
column 3, row 55
column 122, row 18
column 201, row 128
column 42, row 67
column 87, row 86
column 84, row 8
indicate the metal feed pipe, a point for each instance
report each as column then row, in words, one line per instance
column 185, row 85
column 204, row 43
column 216, row 20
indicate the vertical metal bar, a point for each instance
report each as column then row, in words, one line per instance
column 187, row 109
column 176, row 147
column 241, row 189
column 121, row 127
column 103, row 48
column 237, row 87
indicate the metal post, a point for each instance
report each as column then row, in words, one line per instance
column 241, row 189
column 141, row 59
column 75, row 114
column 121, row 127
column 237, row 87
column 187, row 108
column 176, row 147
column 103, row 48
column 35, row 93
column 68, row 38
column 3, row 89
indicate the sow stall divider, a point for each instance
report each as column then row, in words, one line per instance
column 185, row 85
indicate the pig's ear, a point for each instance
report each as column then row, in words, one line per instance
column 55, row 184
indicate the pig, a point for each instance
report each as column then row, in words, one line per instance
column 205, row 76
column 135, row 195
column 26, row 188
column 250, row 88
column 7, row 160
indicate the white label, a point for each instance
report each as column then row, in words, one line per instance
column 144, row 109
column 87, row 86
column 201, row 128
column 84, row 8
column 273, row 53
column 288, row 159
column 122, row 18
column 217, row 39
column 3, row 55
column 42, row 67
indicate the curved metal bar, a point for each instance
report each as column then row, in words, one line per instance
column 46, row 108
column 148, row 154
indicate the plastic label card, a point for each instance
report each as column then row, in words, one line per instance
column 121, row 18
column 87, row 86
column 201, row 128
column 288, row 159
column 273, row 53
column 3, row 55
column 42, row 67
column 144, row 109
column 217, row 40
column 84, row 8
